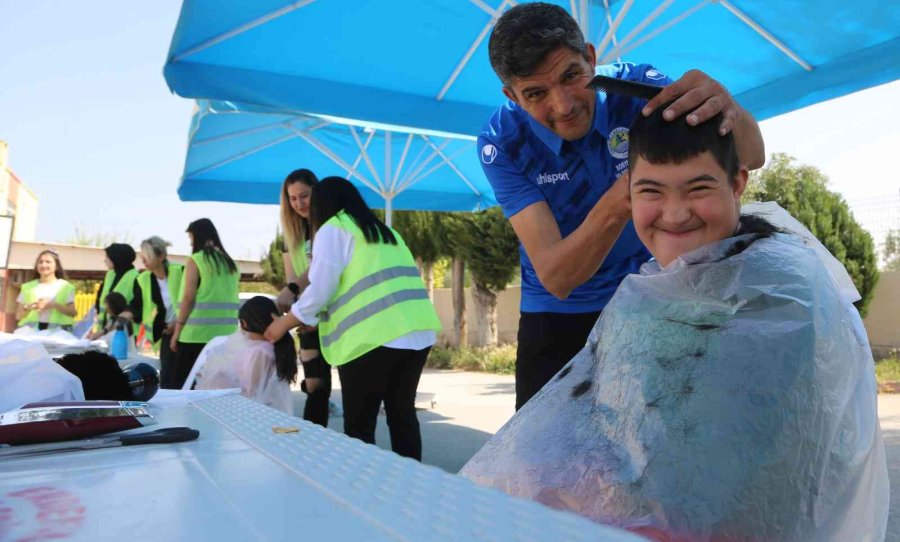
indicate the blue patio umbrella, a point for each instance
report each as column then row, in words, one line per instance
column 242, row 153
column 424, row 63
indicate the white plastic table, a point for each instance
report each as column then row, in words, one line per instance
column 241, row 481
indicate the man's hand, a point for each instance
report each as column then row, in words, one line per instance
column 700, row 94
column 702, row 98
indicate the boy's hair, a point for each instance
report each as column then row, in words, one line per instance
column 117, row 303
column 526, row 34
column 661, row 141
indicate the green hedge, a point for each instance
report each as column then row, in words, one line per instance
column 496, row 359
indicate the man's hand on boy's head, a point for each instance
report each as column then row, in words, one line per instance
column 700, row 95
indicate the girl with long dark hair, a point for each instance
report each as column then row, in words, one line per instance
column 264, row 372
column 375, row 321
column 209, row 301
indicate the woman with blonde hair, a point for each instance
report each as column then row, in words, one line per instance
column 49, row 300
column 295, row 197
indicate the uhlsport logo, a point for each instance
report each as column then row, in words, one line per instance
column 488, row 154
column 618, row 142
column 552, row 178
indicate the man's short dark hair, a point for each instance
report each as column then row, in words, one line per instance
column 526, row 34
column 661, row 141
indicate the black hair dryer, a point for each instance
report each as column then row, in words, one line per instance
column 143, row 380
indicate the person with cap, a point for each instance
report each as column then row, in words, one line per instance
column 120, row 277
column 155, row 305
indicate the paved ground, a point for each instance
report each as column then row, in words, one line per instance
column 470, row 407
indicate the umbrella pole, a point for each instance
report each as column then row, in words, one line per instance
column 387, row 210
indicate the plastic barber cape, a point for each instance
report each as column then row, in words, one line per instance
column 718, row 398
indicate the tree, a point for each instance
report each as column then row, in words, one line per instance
column 490, row 247
column 803, row 192
column 891, row 251
column 417, row 230
column 272, row 262
column 449, row 233
column 96, row 238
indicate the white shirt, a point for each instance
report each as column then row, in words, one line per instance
column 47, row 290
column 166, row 299
column 332, row 251
column 241, row 362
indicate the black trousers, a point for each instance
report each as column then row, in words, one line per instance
column 316, row 408
column 390, row 375
column 547, row 341
column 185, row 357
column 167, row 364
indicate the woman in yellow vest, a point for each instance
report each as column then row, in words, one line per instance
column 155, row 304
column 295, row 194
column 120, row 277
column 376, row 323
column 209, row 299
column 49, row 300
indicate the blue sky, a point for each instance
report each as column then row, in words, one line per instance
column 95, row 132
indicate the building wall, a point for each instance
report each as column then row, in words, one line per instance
column 17, row 199
column 882, row 322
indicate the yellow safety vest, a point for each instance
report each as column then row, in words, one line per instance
column 174, row 276
column 215, row 311
column 380, row 297
column 57, row 319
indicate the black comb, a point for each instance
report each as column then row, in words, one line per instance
column 633, row 89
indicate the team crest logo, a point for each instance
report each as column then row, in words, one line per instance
column 655, row 75
column 618, row 143
column 488, row 154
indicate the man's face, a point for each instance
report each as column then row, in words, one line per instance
column 554, row 95
column 679, row 208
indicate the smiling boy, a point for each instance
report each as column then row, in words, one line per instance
column 727, row 391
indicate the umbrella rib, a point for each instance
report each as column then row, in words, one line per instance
column 488, row 9
column 239, row 133
column 447, row 161
column 414, row 173
column 660, row 9
column 243, row 154
column 414, row 166
column 409, row 139
column 321, row 147
column 574, row 10
column 475, row 44
column 241, row 29
column 585, row 20
column 365, row 154
column 614, row 25
column 450, row 164
column 358, row 158
column 766, row 34
column 682, row 16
